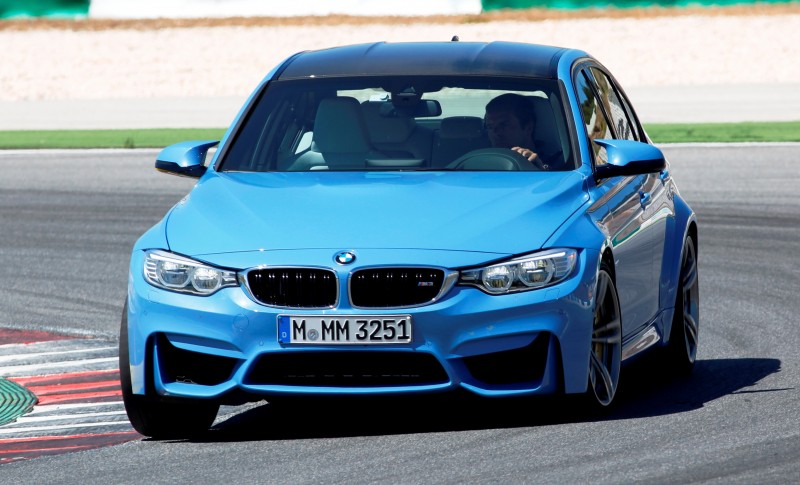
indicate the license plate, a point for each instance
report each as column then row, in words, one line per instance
column 369, row 330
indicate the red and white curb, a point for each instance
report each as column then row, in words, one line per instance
column 77, row 385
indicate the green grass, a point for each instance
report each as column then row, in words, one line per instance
column 149, row 138
column 159, row 138
column 724, row 132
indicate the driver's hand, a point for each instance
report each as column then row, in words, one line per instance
column 531, row 156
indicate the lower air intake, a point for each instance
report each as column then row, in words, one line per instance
column 347, row 369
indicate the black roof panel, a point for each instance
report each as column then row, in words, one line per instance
column 427, row 58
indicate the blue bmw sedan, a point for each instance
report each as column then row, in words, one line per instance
column 412, row 218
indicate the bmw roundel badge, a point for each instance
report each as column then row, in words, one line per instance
column 344, row 257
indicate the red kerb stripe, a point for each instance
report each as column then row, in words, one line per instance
column 72, row 388
column 74, row 377
column 78, row 397
column 12, row 336
column 20, row 448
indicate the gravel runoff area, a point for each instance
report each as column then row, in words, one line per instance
column 95, row 60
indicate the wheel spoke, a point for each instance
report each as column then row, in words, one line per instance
column 611, row 339
column 691, row 327
column 690, row 278
column 689, row 266
column 601, row 371
column 608, row 333
column 602, row 288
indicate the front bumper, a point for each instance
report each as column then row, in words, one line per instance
column 534, row 342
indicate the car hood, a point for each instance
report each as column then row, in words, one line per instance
column 502, row 213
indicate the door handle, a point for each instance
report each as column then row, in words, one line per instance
column 644, row 198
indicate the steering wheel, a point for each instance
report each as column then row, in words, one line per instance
column 493, row 159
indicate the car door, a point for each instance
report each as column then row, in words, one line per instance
column 624, row 205
column 657, row 205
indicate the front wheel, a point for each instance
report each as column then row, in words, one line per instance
column 605, row 356
column 152, row 415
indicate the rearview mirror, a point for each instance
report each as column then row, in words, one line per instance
column 186, row 159
column 626, row 157
column 421, row 108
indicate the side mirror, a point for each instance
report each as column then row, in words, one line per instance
column 626, row 157
column 185, row 159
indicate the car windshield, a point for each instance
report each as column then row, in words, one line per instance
column 397, row 123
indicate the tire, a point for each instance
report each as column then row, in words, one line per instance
column 680, row 352
column 152, row 415
column 605, row 355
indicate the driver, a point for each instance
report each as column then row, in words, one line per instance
column 509, row 124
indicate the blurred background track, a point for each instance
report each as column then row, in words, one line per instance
column 678, row 65
column 660, row 104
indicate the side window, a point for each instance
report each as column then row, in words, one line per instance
column 614, row 106
column 637, row 127
column 597, row 125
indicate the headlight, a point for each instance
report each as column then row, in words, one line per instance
column 526, row 273
column 177, row 273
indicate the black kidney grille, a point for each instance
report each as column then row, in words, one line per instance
column 293, row 287
column 395, row 287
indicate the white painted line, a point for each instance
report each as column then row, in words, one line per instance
column 53, row 365
column 734, row 144
column 9, row 431
column 51, row 408
column 11, row 358
column 64, row 151
column 39, row 419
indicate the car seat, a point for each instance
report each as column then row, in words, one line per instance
column 546, row 133
column 456, row 136
column 396, row 136
column 340, row 139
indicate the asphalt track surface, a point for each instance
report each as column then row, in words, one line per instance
column 67, row 223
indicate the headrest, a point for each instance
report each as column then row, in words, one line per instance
column 461, row 127
column 383, row 129
column 545, row 128
column 339, row 126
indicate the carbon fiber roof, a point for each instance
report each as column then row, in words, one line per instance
column 426, row 58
